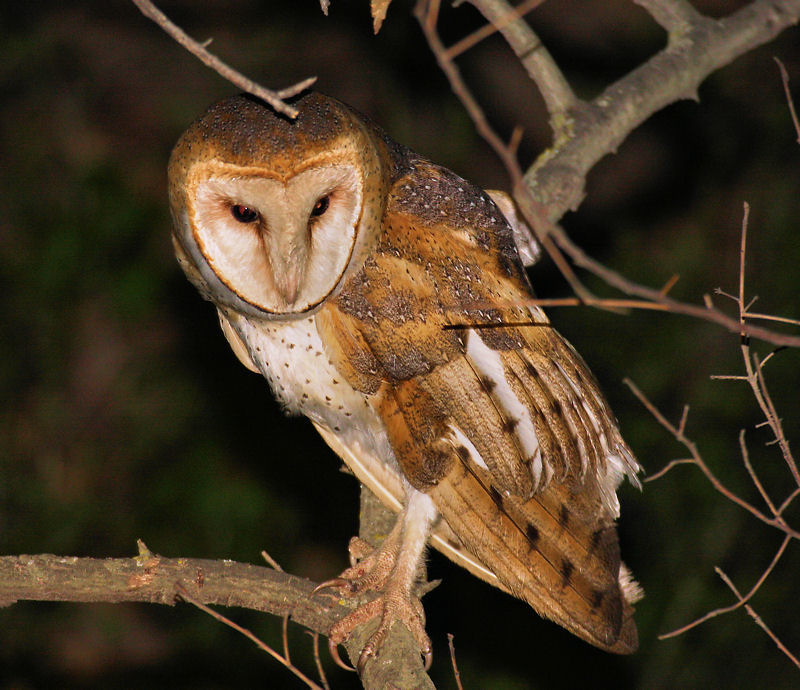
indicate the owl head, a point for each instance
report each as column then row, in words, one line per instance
column 270, row 213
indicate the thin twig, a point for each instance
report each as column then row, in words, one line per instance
column 684, row 417
column 789, row 101
column 751, row 612
column 761, row 624
column 789, row 500
column 471, row 40
column 249, row 635
column 770, row 317
column 274, row 98
column 318, row 660
column 697, row 459
column 667, row 468
column 775, row 422
column 456, row 674
column 752, row 473
column 271, row 561
column 285, row 637
column 741, row 600
column 743, row 260
column 664, row 291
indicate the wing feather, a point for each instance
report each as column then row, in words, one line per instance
column 504, row 427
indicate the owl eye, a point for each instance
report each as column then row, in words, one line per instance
column 244, row 214
column 321, row 206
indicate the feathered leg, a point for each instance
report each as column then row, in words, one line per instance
column 392, row 570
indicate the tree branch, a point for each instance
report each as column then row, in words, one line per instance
column 155, row 579
column 551, row 236
column 274, row 98
column 557, row 178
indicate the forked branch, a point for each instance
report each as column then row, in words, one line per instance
column 537, row 207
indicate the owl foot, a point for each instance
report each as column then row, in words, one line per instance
column 373, row 569
column 391, row 606
column 369, row 567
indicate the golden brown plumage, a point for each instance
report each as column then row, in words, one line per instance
column 396, row 319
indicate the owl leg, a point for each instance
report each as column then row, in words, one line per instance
column 391, row 569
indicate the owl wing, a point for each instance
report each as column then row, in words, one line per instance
column 503, row 425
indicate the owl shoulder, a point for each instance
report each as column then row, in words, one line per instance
column 431, row 205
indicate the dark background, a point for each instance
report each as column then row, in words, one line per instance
column 124, row 414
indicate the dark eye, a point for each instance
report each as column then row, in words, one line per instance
column 244, row 214
column 321, row 206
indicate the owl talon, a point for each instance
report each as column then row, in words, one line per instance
column 333, row 650
column 334, row 582
column 407, row 609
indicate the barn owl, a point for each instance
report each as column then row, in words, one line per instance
column 383, row 297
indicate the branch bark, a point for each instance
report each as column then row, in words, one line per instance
column 153, row 579
column 698, row 48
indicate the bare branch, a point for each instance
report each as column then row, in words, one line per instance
column 271, row 561
column 759, row 620
column 788, row 500
column 753, row 475
column 789, row 101
column 774, row 421
column 771, row 317
column 452, row 648
column 536, row 214
column 318, row 661
column 667, row 468
column 777, row 522
column 274, row 98
column 284, row 660
column 706, row 312
column 557, row 178
column 761, row 624
column 741, row 600
column 154, row 579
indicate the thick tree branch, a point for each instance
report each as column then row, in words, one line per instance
column 154, row 579
column 557, row 178
column 552, row 236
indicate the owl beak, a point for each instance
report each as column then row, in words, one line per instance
column 288, row 264
column 287, row 251
column 288, row 284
